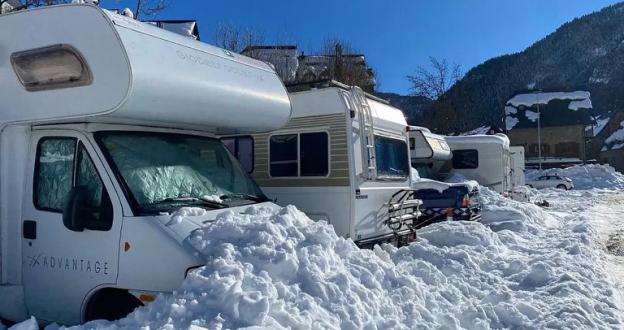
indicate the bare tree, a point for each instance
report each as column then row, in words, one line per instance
column 234, row 38
column 149, row 7
column 13, row 5
column 143, row 7
column 432, row 84
column 347, row 65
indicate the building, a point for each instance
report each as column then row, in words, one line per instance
column 294, row 68
column 612, row 151
column 561, row 145
column 562, row 118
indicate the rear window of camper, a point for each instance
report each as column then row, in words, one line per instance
column 299, row 155
column 54, row 67
column 465, row 159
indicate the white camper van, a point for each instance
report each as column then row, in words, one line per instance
column 483, row 158
column 343, row 158
column 430, row 154
column 101, row 141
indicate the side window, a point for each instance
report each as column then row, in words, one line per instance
column 314, row 154
column 242, row 147
column 98, row 208
column 63, row 164
column 465, row 159
column 299, row 155
column 283, row 158
column 54, row 172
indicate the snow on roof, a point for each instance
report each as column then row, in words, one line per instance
column 578, row 100
column 511, row 122
column 501, row 139
column 581, row 99
column 616, row 139
column 478, row 131
column 531, row 115
column 600, row 124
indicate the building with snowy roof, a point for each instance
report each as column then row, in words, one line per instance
column 612, row 141
column 563, row 118
column 294, row 68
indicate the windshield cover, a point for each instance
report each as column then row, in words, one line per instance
column 163, row 170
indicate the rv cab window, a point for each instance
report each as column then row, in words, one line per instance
column 242, row 147
column 465, row 159
column 59, row 66
column 391, row 158
column 63, row 164
column 299, row 155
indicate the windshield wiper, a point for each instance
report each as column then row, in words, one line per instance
column 250, row 197
column 189, row 199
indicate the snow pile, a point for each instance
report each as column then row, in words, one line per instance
column 585, row 176
column 521, row 268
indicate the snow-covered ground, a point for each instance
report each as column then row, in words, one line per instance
column 522, row 266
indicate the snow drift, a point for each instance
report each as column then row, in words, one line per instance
column 522, row 267
column 585, row 176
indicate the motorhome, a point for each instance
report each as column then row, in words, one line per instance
column 483, row 158
column 101, row 143
column 429, row 155
column 343, row 158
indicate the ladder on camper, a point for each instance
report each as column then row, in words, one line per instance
column 367, row 134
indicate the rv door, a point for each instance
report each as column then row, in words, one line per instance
column 70, row 241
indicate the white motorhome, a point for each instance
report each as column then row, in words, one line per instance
column 107, row 128
column 483, row 158
column 430, row 154
column 343, row 158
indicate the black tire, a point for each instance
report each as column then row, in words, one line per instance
column 111, row 304
column 562, row 186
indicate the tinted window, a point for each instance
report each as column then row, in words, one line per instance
column 391, row 157
column 242, row 147
column 305, row 154
column 465, row 159
column 54, row 172
column 283, row 156
column 98, row 205
column 314, row 154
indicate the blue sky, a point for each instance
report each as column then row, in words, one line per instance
column 396, row 36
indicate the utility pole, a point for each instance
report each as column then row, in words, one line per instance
column 539, row 132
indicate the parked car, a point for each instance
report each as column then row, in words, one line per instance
column 551, row 181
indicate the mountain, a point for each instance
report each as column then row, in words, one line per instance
column 413, row 106
column 586, row 53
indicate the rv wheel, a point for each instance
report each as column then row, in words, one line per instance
column 562, row 186
column 110, row 304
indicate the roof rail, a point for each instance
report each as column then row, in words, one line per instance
column 326, row 83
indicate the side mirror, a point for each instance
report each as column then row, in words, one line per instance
column 74, row 215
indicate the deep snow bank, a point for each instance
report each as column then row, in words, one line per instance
column 520, row 268
column 586, row 176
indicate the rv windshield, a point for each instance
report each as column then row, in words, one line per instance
column 163, row 171
column 391, row 157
